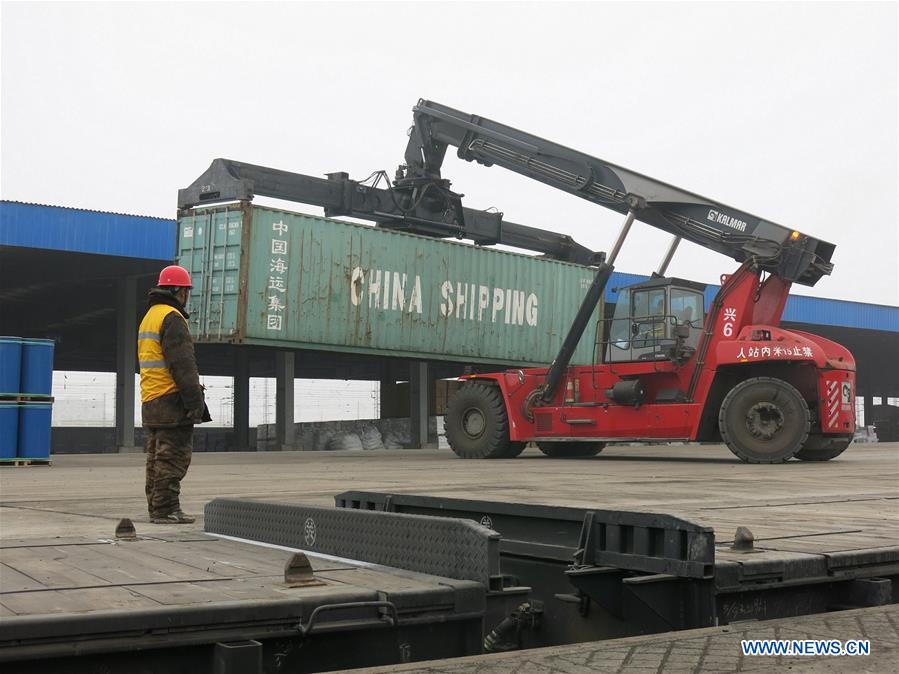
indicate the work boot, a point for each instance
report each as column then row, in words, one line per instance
column 177, row 517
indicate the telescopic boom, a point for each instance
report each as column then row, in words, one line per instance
column 779, row 250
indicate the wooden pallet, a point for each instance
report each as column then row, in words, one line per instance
column 25, row 462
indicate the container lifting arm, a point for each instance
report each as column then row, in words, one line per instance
column 419, row 211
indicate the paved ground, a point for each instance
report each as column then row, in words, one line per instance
column 714, row 650
column 84, row 495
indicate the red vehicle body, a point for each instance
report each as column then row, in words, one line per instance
column 740, row 342
column 664, row 375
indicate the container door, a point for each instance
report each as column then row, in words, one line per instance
column 209, row 247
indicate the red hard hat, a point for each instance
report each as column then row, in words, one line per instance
column 173, row 275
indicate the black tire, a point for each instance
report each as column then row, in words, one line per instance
column 477, row 425
column 515, row 448
column 559, row 450
column 823, row 447
column 764, row 420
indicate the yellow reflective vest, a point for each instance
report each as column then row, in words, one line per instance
column 155, row 378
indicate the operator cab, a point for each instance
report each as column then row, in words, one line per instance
column 658, row 319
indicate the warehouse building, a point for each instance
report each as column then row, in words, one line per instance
column 79, row 277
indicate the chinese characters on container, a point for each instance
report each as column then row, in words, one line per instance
column 276, row 289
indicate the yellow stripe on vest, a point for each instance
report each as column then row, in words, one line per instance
column 155, row 378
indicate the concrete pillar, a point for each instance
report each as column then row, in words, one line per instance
column 126, row 362
column 241, row 399
column 418, row 404
column 284, row 374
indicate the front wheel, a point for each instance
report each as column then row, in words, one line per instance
column 764, row 420
column 571, row 449
column 823, row 447
column 477, row 424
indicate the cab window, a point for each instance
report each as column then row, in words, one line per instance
column 649, row 303
column 687, row 306
column 620, row 330
column 649, row 317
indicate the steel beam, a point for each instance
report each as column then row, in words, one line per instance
column 284, row 391
column 390, row 404
column 634, row 541
column 418, row 404
column 126, row 362
column 241, row 416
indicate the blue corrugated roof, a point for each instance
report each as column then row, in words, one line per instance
column 84, row 231
column 799, row 309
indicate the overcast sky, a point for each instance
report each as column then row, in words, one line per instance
column 787, row 111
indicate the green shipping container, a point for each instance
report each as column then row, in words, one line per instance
column 271, row 277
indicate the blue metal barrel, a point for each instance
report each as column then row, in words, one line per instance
column 34, row 430
column 9, row 425
column 37, row 367
column 10, row 365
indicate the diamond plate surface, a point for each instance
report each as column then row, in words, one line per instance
column 638, row 541
column 452, row 548
column 714, row 650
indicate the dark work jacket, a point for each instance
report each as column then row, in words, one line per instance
column 187, row 405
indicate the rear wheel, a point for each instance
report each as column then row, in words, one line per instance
column 571, row 449
column 823, row 447
column 764, row 420
column 477, row 425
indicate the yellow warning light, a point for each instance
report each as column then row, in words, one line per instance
column 795, row 235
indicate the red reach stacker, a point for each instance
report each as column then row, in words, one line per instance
column 667, row 370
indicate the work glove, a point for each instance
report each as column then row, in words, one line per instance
column 199, row 416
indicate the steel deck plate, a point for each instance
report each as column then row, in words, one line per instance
column 59, row 600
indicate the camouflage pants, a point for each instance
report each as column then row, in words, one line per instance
column 168, row 457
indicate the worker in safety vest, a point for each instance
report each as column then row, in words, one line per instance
column 171, row 393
